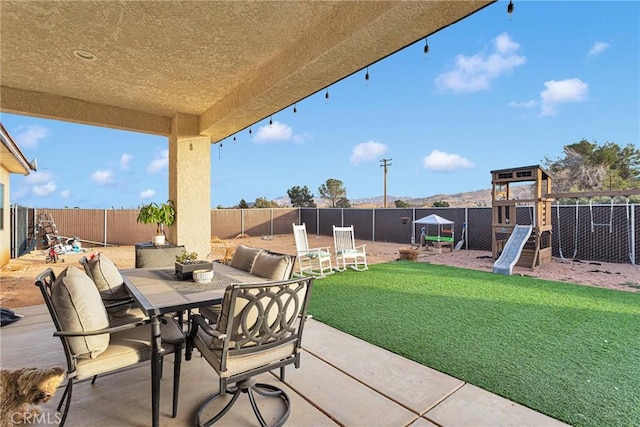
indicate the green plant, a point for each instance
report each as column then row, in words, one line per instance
column 185, row 257
column 154, row 213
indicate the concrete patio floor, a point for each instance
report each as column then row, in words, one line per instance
column 342, row 381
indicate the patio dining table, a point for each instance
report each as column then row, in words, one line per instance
column 158, row 292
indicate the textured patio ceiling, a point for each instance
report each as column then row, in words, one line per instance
column 228, row 63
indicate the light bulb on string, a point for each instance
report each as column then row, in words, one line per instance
column 249, row 130
column 426, row 46
column 220, row 151
column 234, row 139
column 326, row 95
column 366, row 76
column 270, row 120
column 295, row 109
column 510, row 7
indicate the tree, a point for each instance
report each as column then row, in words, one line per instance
column 343, row 202
column 440, row 204
column 589, row 166
column 301, row 197
column 401, row 204
column 333, row 190
column 262, row 202
column 243, row 204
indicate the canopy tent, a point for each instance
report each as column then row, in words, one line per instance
column 444, row 226
column 432, row 219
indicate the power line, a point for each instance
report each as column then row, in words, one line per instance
column 385, row 164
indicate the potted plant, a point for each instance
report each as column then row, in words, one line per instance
column 188, row 262
column 162, row 214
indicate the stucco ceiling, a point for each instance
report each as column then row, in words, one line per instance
column 226, row 63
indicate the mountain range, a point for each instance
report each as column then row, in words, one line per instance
column 469, row 198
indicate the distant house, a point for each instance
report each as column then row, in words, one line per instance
column 11, row 161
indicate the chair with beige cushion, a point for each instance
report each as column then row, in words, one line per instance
column 119, row 304
column 259, row 330
column 90, row 345
column 258, row 262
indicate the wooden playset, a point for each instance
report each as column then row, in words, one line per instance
column 537, row 249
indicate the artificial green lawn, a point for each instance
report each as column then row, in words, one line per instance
column 569, row 351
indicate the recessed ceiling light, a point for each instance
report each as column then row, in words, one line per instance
column 84, row 55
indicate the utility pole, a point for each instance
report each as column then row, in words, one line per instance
column 385, row 164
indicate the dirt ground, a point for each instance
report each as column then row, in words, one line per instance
column 18, row 276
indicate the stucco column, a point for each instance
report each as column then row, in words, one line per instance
column 190, row 185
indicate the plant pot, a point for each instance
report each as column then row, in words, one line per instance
column 184, row 271
column 159, row 240
column 408, row 254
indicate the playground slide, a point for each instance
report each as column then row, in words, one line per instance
column 512, row 250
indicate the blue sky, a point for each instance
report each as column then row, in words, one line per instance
column 493, row 92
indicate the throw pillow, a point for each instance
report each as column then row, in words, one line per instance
column 244, row 257
column 272, row 266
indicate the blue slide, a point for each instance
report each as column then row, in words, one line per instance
column 512, row 250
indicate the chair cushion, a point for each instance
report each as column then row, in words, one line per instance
column 157, row 256
column 272, row 266
column 107, row 277
column 244, row 257
column 79, row 308
column 239, row 363
column 317, row 254
column 109, row 281
column 129, row 347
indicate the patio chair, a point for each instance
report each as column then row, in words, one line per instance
column 258, row 262
column 259, row 330
column 117, row 301
column 91, row 346
column 347, row 253
column 311, row 261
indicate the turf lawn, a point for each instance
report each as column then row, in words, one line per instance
column 569, row 351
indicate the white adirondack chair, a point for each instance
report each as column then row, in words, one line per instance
column 311, row 261
column 347, row 253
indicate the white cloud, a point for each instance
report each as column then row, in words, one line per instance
column 273, row 132
column 598, row 48
column 147, row 194
column 65, row 194
column 562, row 91
column 300, row 138
column 524, row 104
column 44, row 190
column 445, row 162
column 102, row 177
column 38, row 177
column 475, row 73
column 367, row 151
column 125, row 159
column 160, row 162
column 30, row 136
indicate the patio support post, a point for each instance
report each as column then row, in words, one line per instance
column 190, row 185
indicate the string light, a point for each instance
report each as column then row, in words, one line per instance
column 510, row 8
column 426, row 46
column 295, row 108
column 366, row 76
column 234, row 139
column 249, row 130
column 270, row 120
column 326, row 95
